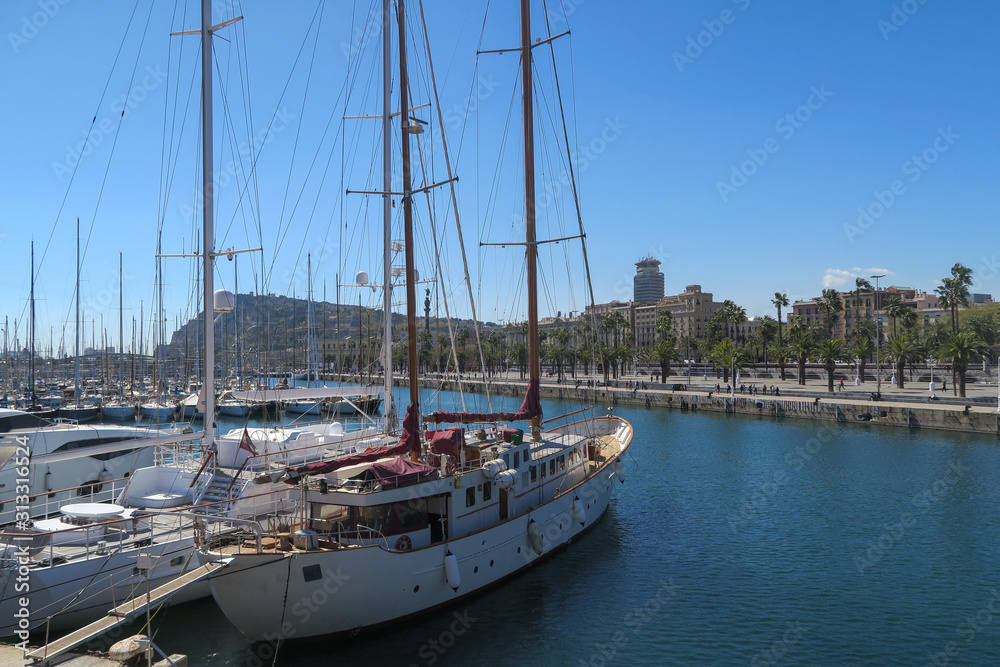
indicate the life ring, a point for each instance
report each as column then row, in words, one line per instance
column 404, row 543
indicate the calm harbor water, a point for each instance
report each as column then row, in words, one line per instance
column 735, row 540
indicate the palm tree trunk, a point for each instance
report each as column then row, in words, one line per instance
column 802, row 370
column 781, row 369
column 900, row 367
column 829, row 377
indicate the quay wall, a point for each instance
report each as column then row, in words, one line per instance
column 888, row 413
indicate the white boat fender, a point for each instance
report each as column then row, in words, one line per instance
column 620, row 471
column 535, row 536
column 451, row 573
column 579, row 514
column 48, row 480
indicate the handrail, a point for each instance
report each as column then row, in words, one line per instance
column 568, row 414
column 74, row 488
column 208, row 457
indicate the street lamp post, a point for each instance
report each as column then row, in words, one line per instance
column 932, row 361
column 878, row 338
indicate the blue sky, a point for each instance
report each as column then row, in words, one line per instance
column 751, row 147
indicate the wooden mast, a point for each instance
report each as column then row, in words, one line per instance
column 530, row 247
column 411, row 289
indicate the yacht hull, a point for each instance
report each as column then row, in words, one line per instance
column 308, row 594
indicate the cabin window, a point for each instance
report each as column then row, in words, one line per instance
column 506, row 461
column 562, row 462
column 470, row 496
column 411, row 515
column 487, row 490
column 312, row 573
column 517, row 459
column 174, row 562
column 527, row 455
column 534, row 473
column 552, row 466
column 543, row 469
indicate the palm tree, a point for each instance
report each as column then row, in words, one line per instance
column 732, row 314
column 860, row 284
column 894, row 309
column 664, row 325
column 765, row 332
column 902, row 348
column 954, row 292
column 781, row 354
column 864, row 329
column 779, row 300
column 830, row 352
column 960, row 349
column 728, row 355
column 664, row 353
column 616, row 322
column 862, row 349
column 831, row 304
column 802, row 343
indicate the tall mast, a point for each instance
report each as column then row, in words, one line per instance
column 309, row 322
column 208, row 196
column 76, row 362
column 534, row 364
column 121, row 332
column 411, row 288
column 31, row 335
column 390, row 407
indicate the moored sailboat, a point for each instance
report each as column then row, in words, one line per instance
column 440, row 515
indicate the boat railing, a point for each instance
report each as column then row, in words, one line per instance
column 49, row 502
column 118, row 533
column 180, row 456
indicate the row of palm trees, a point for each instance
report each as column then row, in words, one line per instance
column 960, row 344
column 610, row 342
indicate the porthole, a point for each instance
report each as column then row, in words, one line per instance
column 491, row 563
column 475, row 570
column 416, row 589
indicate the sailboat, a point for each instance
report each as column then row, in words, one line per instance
column 91, row 555
column 118, row 408
column 439, row 515
column 77, row 411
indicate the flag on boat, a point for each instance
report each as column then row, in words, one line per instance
column 246, row 443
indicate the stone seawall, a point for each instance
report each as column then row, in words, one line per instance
column 889, row 413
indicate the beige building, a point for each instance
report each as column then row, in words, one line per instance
column 691, row 310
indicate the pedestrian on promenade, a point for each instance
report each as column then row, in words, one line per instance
column 841, row 384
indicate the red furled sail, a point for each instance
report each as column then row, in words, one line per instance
column 409, row 441
column 530, row 408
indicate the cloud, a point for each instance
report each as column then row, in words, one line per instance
column 837, row 278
